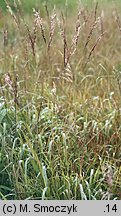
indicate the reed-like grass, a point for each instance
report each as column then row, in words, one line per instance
column 60, row 99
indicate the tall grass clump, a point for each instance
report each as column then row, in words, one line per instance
column 60, row 99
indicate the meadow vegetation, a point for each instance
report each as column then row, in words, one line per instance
column 60, row 103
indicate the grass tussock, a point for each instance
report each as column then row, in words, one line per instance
column 60, row 99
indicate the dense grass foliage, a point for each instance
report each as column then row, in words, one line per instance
column 60, row 104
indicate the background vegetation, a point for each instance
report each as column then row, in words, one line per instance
column 60, row 101
column 28, row 5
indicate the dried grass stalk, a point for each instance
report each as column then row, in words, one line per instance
column 69, row 52
column 62, row 28
column 95, row 12
column 52, row 28
column 47, row 12
column 96, row 43
column 117, row 19
column 91, row 32
column 31, row 39
column 39, row 22
column 101, row 22
column 8, row 81
column 13, row 86
column 76, row 35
